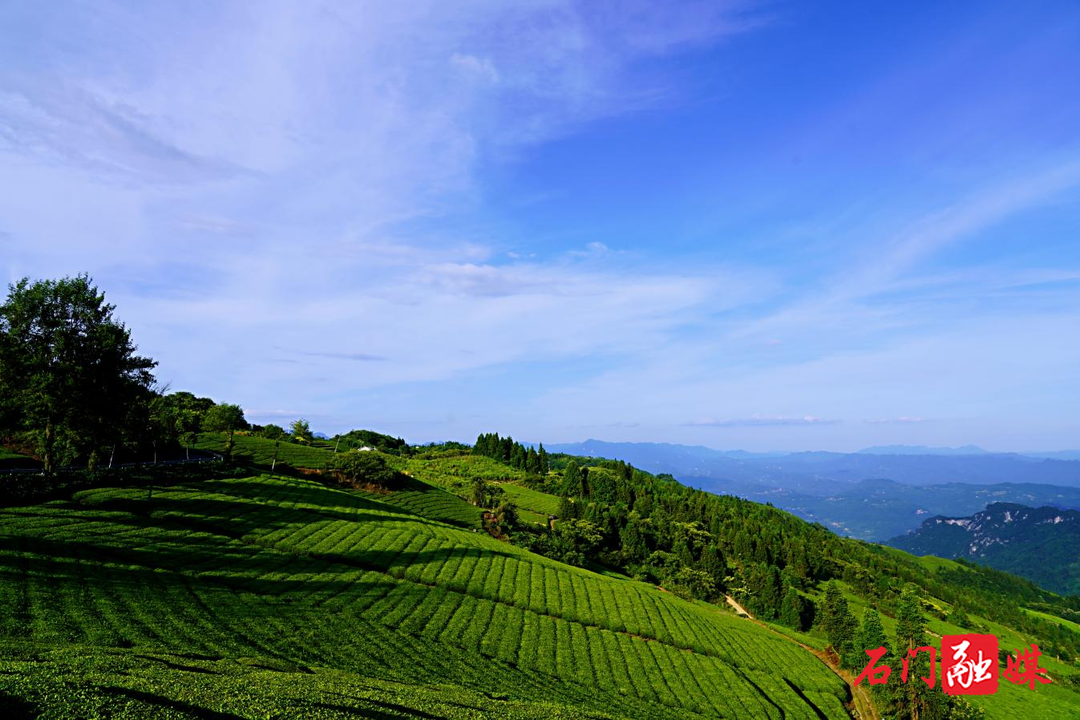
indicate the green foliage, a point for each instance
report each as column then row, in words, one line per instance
column 572, row 542
column 871, row 634
column 913, row 698
column 506, row 515
column 224, row 418
column 838, row 624
column 532, row 461
column 795, row 610
column 71, row 382
column 357, row 468
column 484, row 494
column 271, row 431
column 301, row 432
column 689, row 583
column 356, row 439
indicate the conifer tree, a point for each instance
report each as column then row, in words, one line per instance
column 572, row 479
column 837, row 621
column 793, row 609
column 914, row 698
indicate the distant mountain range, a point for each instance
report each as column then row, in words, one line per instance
column 922, row 450
column 964, row 450
column 824, row 472
column 877, row 510
column 1037, row 543
column 873, row 494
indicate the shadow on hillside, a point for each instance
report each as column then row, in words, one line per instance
column 161, row 702
column 16, row 708
column 411, row 488
column 234, row 519
column 190, row 562
column 397, row 711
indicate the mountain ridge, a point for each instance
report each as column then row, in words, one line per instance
column 1035, row 543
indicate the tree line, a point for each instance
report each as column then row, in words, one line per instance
column 533, row 461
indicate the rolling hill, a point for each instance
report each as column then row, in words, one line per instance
column 212, row 597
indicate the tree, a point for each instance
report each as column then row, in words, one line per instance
column 690, row 583
column 576, row 540
column 837, row 621
column 301, row 431
column 506, row 515
column 271, row 431
column 575, row 483
column 914, row 698
column 869, row 636
column 225, row 418
column 365, row 467
column 712, row 561
column 484, row 494
column 163, row 419
column 69, row 371
column 793, row 609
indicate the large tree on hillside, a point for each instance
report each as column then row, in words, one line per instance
column 69, row 373
column 225, row 417
column 838, row 622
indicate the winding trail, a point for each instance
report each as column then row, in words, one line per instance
column 863, row 706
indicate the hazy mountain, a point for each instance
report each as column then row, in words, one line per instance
column 823, row 473
column 665, row 457
column 921, row 450
column 964, row 450
column 1036, row 543
column 1055, row 455
column 866, row 495
column 877, row 510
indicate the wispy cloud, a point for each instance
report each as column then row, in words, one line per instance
column 902, row 420
column 763, row 421
column 352, row 356
column 312, row 206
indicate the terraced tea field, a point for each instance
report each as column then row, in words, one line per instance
column 262, row 452
column 260, row 597
column 532, row 500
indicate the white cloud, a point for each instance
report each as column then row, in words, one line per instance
column 763, row 421
column 902, row 420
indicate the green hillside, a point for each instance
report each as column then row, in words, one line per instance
column 260, row 597
column 264, row 596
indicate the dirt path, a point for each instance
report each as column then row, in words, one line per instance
column 860, row 694
column 738, row 608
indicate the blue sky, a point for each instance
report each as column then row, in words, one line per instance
column 765, row 226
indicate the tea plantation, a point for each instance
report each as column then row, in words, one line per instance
column 262, row 597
